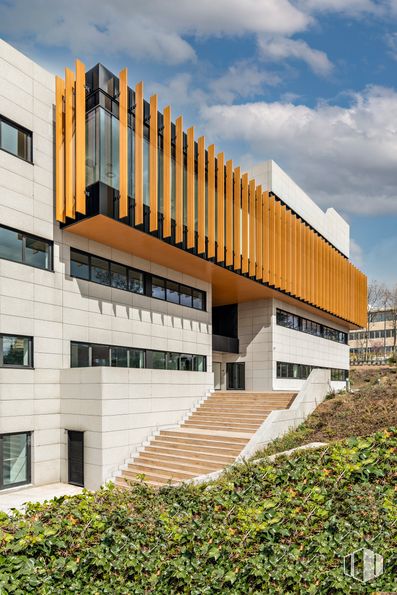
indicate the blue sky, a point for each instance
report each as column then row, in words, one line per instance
column 309, row 83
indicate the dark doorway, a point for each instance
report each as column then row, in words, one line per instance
column 235, row 376
column 76, row 458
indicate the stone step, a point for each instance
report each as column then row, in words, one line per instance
column 178, row 462
column 149, row 477
column 203, row 455
column 235, row 425
column 220, row 450
column 124, row 482
column 164, row 469
column 227, row 415
column 215, row 428
column 200, row 436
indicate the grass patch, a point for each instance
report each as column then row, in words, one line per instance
column 371, row 407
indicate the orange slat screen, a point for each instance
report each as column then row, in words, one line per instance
column 123, row 143
column 211, row 201
column 179, row 159
column 153, row 164
column 167, row 172
column 138, row 152
column 201, row 195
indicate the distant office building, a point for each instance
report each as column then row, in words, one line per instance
column 377, row 342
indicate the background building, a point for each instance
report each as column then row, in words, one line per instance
column 139, row 270
column 377, row 342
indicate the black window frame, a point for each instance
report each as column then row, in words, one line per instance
column 30, row 366
column 28, row 460
column 22, row 129
column 147, row 357
column 147, row 281
column 285, row 371
column 31, row 236
column 310, row 327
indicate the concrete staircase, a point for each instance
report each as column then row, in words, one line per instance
column 210, row 439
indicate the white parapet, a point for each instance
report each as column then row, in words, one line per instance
column 329, row 223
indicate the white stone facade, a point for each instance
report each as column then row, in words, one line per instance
column 116, row 408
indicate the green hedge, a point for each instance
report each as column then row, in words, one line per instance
column 279, row 527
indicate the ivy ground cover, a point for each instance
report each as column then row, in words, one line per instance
column 280, row 527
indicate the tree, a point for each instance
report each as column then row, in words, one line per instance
column 377, row 299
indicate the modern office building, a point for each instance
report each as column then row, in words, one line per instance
column 140, row 269
column 377, row 342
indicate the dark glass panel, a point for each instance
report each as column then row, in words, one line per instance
column 80, row 355
column 100, row 270
column 119, row 357
column 158, row 288
column 172, row 292
column 186, row 296
column 158, row 359
column 37, row 253
column 135, row 281
column 100, row 355
column 10, row 244
column 15, row 459
column 79, row 265
column 137, row 358
column 16, row 351
column 186, row 362
column 172, row 361
column 119, row 276
column 198, row 301
column 199, row 363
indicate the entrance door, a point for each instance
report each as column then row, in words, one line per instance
column 76, row 458
column 216, row 366
column 235, row 376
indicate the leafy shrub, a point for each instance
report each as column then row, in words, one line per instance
column 279, row 527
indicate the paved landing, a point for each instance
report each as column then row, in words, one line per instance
column 18, row 497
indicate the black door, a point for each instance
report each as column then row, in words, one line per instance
column 235, row 376
column 76, row 458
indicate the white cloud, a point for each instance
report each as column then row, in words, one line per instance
column 356, row 253
column 154, row 29
column 281, row 48
column 350, row 7
column 344, row 157
column 241, row 80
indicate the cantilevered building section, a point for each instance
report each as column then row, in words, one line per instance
column 153, row 187
column 140, row 269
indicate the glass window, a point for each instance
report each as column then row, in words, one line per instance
column 137, row 358
column 119, row 357
column 158, row 288
column 14, row 459
column 15, row 140
column 186, row 362
column 199, row 362
column 100, row 355
column 16, row 351
column 172, row 361
column 100, row 270
column 109, row 148
column 79, row 265
column 172, row 292
column 158, row 359
column 37, row 253
column 135, row 281
column 118, row 275
column 80, row 355
column 198, row 301
column 11, row 244
column 186, row 296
